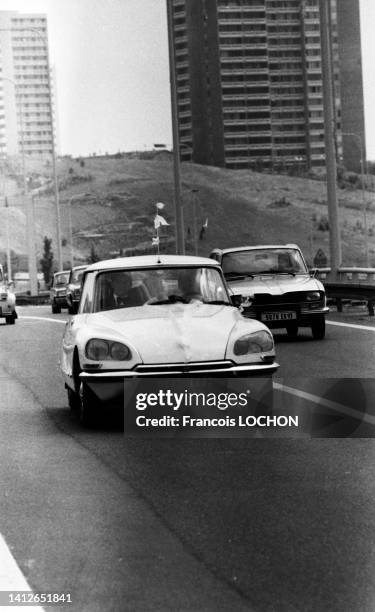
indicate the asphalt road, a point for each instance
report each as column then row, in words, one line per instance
column 268, row 524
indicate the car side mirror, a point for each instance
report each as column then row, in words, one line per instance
column 236, row 300
column 313, row 272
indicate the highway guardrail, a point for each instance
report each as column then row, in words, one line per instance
column 348, row 283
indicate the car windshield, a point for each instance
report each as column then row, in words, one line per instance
column 77, row 276
column 137, row 287
column 263, row 261
column 62, row 279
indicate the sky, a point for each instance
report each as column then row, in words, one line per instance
column 110, row 59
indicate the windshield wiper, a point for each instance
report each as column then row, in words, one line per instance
column 275, row 271
column 285, row 272
column 238, row 275
column 171, row 299
column 218, row 302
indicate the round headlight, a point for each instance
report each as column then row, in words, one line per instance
column 105, row 350
column 119, row 352
column 97, row 349
column 259, row 342
column 311, row 296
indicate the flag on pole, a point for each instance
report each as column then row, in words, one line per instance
column 159, row 220
column 203, row 229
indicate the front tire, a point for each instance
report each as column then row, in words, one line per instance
column 292, row 330
column 73, row 400
column 318, row 327
column 72, row 308
column 88, row 407
column 11, row 319
column 55, row 308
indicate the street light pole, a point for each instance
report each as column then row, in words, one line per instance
column 329, row 124
column 54, row 167
column 364, row 204
column 9, row 260
column 180, row 233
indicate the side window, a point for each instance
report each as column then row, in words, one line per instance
column 87, row 296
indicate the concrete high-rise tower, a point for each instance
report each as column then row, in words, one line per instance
column 26, row 116
column 249, row 82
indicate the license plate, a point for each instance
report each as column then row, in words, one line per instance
column 278, row 316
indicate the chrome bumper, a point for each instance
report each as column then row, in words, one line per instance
column 240, row 370
column 109, row 387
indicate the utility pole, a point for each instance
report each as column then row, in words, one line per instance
column 180, row 234
column 363, row 187
column 30, row 220
column 329, row 125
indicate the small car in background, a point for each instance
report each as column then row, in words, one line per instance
column 73, row 292
column 7, row 300
column 157, row 316
column 276, row 286
column 58, row 291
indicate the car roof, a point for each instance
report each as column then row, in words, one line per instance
column 255, row 247
column 152, row 261
column 61, row 272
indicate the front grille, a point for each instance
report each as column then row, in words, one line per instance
column 267, row 299
column 3, row 296
column 188, row 368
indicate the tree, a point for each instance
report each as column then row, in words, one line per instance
column 46, row 261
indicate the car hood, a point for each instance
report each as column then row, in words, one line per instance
column 173, row 333
column 274, row 284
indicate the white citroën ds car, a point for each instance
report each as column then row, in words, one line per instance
column 157, row 316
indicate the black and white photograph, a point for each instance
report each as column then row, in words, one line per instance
column 187, row 305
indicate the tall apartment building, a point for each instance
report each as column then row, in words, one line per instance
column 249, row 82
column 26, row 117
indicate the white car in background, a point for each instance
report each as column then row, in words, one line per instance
column 276, row 286
column 7, row 300
column 156, row 316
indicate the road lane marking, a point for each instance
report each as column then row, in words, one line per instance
column 354, row 325
column 44, row 319
column 11, row 577
column 341, row 408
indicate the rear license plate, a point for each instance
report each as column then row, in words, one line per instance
column 278, row 316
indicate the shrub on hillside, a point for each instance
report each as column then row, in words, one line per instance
column 281, row 203
column 323, row 224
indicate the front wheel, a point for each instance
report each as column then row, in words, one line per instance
column 318, row 327
column 88, row 407
column 73, row 399
column 55, row 308
column 11, row 319
column 292, row 330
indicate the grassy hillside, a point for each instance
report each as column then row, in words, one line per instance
column 114, row 203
